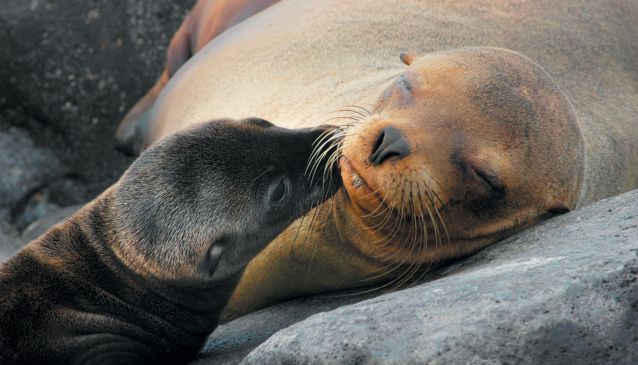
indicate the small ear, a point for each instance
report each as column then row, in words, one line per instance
column 407, row 58
column 558, row 208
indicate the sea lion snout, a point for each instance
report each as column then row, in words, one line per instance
column 390, row 143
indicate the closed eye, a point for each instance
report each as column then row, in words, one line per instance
column 490, row 179
column 278, row 192
column 404, row 83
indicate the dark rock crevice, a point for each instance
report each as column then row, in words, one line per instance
column 70, row 71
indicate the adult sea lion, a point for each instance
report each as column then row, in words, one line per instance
column 467, row 146
column 141, row 274
column 206, row 20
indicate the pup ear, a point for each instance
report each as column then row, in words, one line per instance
column 407, row 58
column 558, row 208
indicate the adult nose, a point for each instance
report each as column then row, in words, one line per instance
column 390, row 143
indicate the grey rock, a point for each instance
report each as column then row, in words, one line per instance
column 232, row 341
column 563, row 292
column 11, row 240
column 24, row 168
column 37, row 228
column 9, row 243
column 71, row 69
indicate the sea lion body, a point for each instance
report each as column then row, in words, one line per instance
column 300, row 61
column 141, row 274
column 204, row 22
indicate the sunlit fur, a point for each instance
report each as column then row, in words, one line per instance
column 297, row 62
column 141, row 274
column 420, row 210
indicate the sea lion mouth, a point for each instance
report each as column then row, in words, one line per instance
column 351, row 176
column 364, row 196
column 404, row 218
column 369, row 200
column 357, row 180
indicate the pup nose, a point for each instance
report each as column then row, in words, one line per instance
column 390, row 143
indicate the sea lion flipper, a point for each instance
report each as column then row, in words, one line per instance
column 179, row 49
column 130, row 134
column 558, row 208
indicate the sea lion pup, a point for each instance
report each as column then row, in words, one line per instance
column 141, row 274
column 206, row 20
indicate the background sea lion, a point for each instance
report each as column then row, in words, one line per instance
column 205, row 21
column 141, row 274
column 302, row 61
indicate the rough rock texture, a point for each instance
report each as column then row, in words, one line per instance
column 25, row 169
column 37, row 228
column 70, row 70
column 10, row 243
column 564, row 292
column 232, row 341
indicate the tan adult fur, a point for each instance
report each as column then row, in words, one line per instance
column 297, row 62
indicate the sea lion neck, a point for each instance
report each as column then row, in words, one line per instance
column 98, row 226
column 87, row 295
column 78, row 256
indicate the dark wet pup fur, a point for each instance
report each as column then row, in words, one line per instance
column 141, row 274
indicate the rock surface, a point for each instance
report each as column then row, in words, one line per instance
column 37, row 228
column 25, row 168
column 231, row 342
column 70, row 70
column 563, row 292
column 10, row 243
